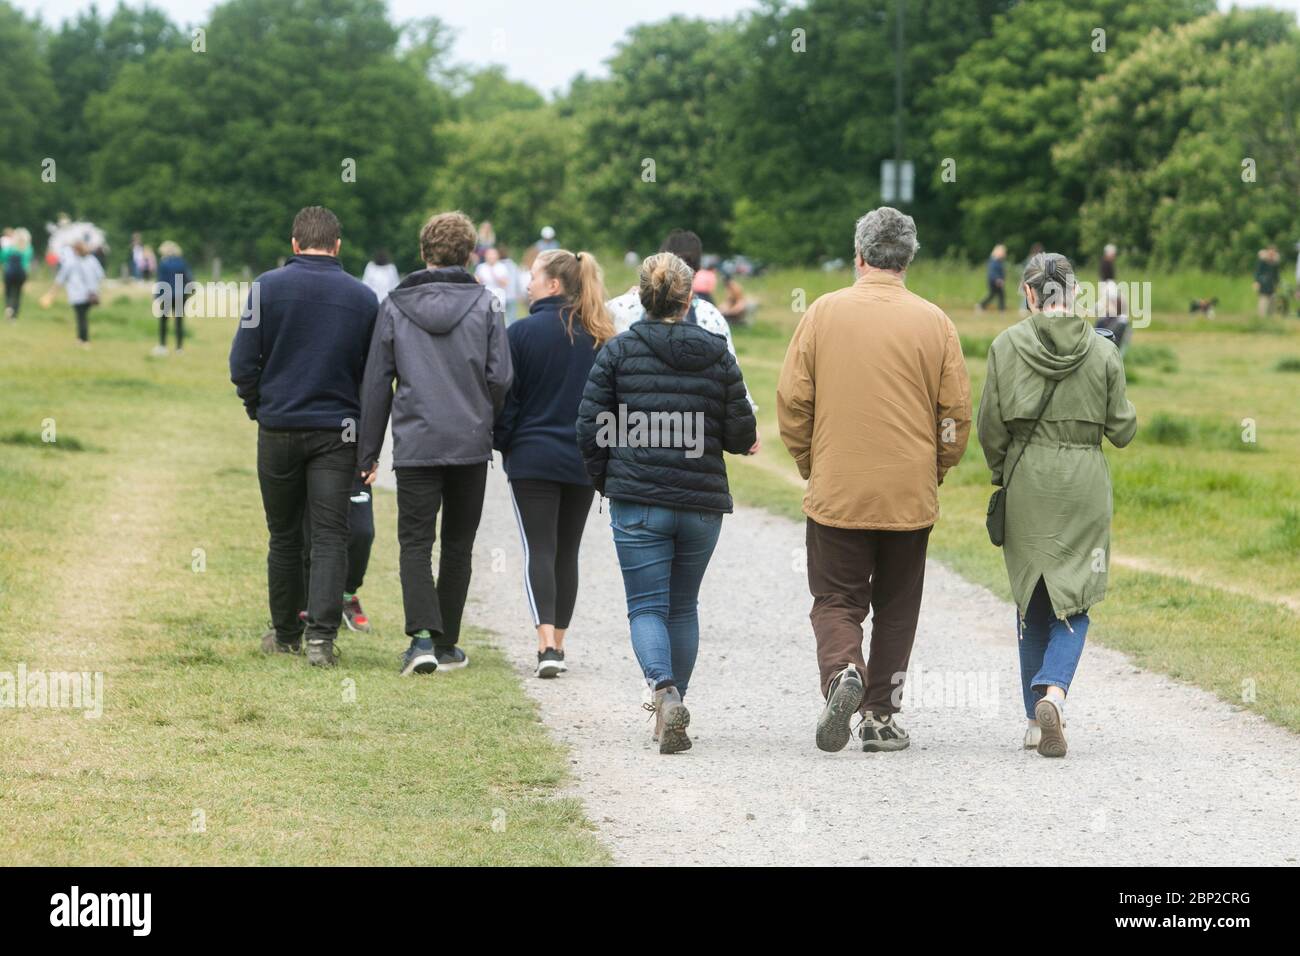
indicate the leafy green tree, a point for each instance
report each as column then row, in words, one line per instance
column 489, row 93
column 1014, row 96
column 293, row 103
column 28, row 92
column 1133, row 115
column 810, row 115
column 86, row 55
column 652, row 137
column 511, row 169
column 1230, row 183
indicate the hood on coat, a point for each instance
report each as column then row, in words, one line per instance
column 437, row 300
column 688, row 348
column 1053, row 345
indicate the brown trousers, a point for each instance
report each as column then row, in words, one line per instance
column 851, row 572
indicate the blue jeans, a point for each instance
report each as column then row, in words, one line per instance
column 1050, row 648
column 663, row 553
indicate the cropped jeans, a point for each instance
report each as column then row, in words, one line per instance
column 1050, row 648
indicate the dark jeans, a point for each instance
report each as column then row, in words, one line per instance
column 82, row 311
column 180, row 330
column 14, row 293
column 361, row 535
column 457, row 490
column 551, row 517
column 996, row 291
column 308, row 472
column 851, row 572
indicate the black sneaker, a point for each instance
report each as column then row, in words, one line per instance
column 563, row 666
column 450, row 657
column 880, row 732
column 843, row 698
column 321, row 653
column 549, row 662
column 271, row 644
column 419, row 657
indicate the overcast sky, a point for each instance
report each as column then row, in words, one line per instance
column 543, row 43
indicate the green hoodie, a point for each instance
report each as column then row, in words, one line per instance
column 1059, row 501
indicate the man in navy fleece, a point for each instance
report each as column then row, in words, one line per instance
column 297, row 363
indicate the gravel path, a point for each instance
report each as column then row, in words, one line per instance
column 1158, row 772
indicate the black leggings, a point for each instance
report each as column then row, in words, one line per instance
column 998, row 292
column 14, row 293
column 551, row 517
column 82, row 310
column 180, row 330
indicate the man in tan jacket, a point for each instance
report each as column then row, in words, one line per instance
column 874, row 405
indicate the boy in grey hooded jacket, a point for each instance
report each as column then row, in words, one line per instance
column 442, row 337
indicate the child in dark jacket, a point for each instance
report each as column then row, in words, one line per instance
column 552, row 350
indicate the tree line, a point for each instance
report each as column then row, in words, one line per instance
column 1162, row 125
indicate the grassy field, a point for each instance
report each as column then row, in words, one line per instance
column 1205, row 583
column 134, row 545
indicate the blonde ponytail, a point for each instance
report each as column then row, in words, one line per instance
column 583, row 282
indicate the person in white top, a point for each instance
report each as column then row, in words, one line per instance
column 381, row 275
column 627, row 309
column 494, row 274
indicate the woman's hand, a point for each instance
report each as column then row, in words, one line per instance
column 758, row 443
column 369, row 476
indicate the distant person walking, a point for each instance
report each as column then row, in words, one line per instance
column 169, row 298
column 297, row 361
column 663, row 402
column 874, row 405
column 552, row 350
column 16, row 264
column 380, row 275
column 493, row 275
column 1268, row 272
column 80, row 275
column 996, row 276
column 1053, row 389
column 442, row 339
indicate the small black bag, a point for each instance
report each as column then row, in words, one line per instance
column 996, row 517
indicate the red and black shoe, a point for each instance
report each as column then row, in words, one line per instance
column 353, row 616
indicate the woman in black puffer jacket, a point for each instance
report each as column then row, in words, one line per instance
column 663, row 401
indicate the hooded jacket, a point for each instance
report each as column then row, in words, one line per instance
column 686, row 390
column 1059, row 499
column 440, row 337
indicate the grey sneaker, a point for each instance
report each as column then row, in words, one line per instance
column 1051, row 722
column 273, row 645
column 881, row 733
column 321, row 653
column 671, row 720
column 419, row 658
column 450, row 657
column 843, row 698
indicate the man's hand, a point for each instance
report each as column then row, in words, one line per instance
column 369, row 476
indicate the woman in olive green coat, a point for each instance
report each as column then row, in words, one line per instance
column 1058, row 500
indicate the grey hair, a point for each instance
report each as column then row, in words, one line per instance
column 1054, row 289
column 886, row 239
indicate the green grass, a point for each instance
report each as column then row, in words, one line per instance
column 208, row 752
column 1207, row 526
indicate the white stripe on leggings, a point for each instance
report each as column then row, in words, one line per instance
column 528, row 584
